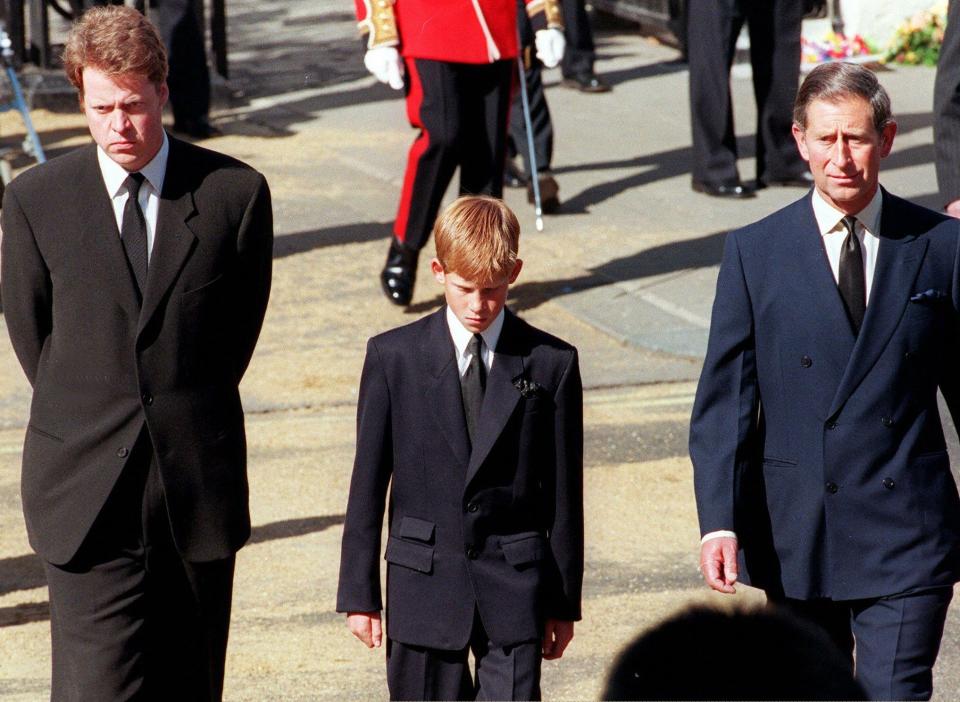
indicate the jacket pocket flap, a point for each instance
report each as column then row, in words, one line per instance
column 409, row 554
column 419, row 529
column 524, row 548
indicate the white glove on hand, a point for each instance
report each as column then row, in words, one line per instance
column 550, row 45
column 385, row 64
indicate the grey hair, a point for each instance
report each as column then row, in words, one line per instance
column 837, row 80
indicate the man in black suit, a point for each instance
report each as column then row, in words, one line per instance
column 136, row 273
column 713, row 28
column 946, row 113
column 476, row 419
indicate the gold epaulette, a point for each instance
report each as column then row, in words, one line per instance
column 551, row 12
column 380, row 24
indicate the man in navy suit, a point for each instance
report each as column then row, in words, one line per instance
column 475, row 420
column 820, row 467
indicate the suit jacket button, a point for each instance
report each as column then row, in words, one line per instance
column 806, row 361
column 123, row 452
column 886, row 421
column 831, row 425
column 908, row 355
column 832, row 488
column 473, row 507
column 888, row 483
column 147, row 398
column 472, row 553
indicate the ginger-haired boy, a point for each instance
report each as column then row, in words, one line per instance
column 476, row 417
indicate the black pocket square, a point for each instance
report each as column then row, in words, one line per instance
column 930, row 295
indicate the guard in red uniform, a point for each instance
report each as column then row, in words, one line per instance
column 455, row 61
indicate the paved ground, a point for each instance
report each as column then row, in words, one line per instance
column 626, row 272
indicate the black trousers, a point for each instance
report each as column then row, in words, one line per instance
column 774, row 27
column 539, row 119
column 580, row 54
column 897, row 638
column 130, row 619
column 420, row 673
column 461, row 111
column 189, row 78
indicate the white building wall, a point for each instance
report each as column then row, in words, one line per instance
column 877, row 20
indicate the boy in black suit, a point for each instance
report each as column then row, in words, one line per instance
column 476, row 417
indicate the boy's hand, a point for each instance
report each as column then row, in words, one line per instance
column 366, row 627
column 557, row 634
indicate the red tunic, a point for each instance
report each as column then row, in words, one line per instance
column 460, row 31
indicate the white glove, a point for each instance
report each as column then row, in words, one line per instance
column 385, row 64
column 550, row 45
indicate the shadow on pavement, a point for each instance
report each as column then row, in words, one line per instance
column 301, row 242
column 26, row 572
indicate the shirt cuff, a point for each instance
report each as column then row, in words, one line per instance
column 717, row 535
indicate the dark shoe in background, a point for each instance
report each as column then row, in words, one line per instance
column 399, row 273
column 801, row 180
column 549, row 193
column 586, row 83
column 513, row 176
column 197, row 128
column 734, row 189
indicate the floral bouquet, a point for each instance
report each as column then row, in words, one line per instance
column 834, row 47
column 917, row 41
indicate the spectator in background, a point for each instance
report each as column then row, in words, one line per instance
column 178, row 22
column 946, row 114
column 577, row 65
column 707, row 654
column 456, row 67
column 540, row 121
column 713, row 28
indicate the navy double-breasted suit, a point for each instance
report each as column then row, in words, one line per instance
column 823, row 450
column 495, row 528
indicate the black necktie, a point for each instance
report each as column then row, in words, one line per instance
column 133, row 233
column 853, row 287
column 473, row 383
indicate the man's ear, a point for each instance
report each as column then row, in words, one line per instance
column 887, row 134
column 798, row 134
column 516, row 271
column 437, row 269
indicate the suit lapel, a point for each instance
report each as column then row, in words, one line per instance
column 501, row 397
column 898, row 262
column 819, row 298
column 100, row 235
column 174, row 239
column 439, row 355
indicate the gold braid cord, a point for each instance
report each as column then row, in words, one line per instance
column 551, row 12
column 379, row 25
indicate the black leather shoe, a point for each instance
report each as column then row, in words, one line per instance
column 586, row 83
column 549, row 193
column 733, row 189
column 513, row 177
column 801, row 180
column 399, row 274
column 196, row 128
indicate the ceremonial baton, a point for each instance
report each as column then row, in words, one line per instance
column 534, row 179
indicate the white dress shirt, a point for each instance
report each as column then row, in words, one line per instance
column 461, row 337
column 114, row 176
column 830, row 225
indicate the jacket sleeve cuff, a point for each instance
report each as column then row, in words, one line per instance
column 545, row 14
column 379, row 25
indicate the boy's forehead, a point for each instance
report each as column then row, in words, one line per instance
column 490, row 280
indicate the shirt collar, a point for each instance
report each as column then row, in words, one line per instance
column 114, row 174
column 461, row 335
column 828, row 217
